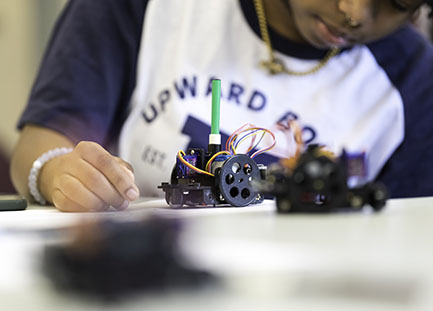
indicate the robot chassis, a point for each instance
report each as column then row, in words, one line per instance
column 231, row 183
column 319, row 184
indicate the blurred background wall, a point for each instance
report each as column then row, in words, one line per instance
column 25, row 26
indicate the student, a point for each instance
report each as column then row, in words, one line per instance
column 132, row 78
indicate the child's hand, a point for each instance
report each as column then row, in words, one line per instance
column 88, row 178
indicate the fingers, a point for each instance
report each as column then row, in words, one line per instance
column 93, row 179
column 121, row 179
column 64, row 204
column 73, row 196
column 89, row 178
column 125, row 164
column 70, row 186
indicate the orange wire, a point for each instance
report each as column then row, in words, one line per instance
column 213, row 158
column 180, row 156
column 230, row 149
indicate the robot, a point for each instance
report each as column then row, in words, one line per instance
column 214, row 177
column 230, row 183
column 318, row 183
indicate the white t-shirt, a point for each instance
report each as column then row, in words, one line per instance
column 137, row 73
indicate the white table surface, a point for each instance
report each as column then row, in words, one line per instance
column 351, row 261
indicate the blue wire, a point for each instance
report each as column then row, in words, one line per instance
column 260, row 140
column 246, row 135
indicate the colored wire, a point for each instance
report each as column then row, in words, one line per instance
column 293, row 129
column 232, row 143
column 251, row 132
column 267, row 148
column 296, row 132
column 258, row 143
column 180, row 156
column 236, row 142
column 245, row 137
column 235, row 133
column 213, row 158
column 229, row 144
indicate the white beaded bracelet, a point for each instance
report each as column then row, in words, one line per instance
column 36, row 168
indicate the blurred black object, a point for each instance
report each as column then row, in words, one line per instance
column 110, row 260
column 319, row 184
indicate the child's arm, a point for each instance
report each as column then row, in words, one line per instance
column 87, row 178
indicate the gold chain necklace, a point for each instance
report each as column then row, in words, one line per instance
column 274, row 65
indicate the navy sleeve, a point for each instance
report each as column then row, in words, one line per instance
column 88, row 72
column 407, row 57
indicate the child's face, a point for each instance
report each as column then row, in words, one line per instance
column 326, row 23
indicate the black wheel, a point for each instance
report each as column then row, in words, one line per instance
column 234, row 180
column 209, row 198
column 283, row 205
column 378, row 195
column 174, row 198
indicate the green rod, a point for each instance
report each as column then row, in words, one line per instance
column 216, row 95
